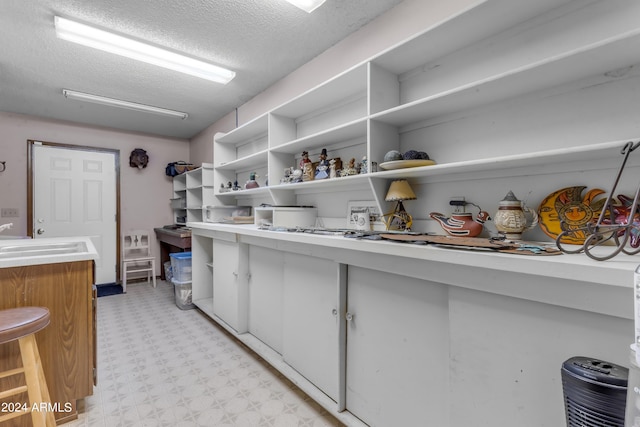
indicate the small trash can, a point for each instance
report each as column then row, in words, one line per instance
column 183, row 294
column 595, row 392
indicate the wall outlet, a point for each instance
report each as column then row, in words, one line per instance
column 9, row 213
column 458, row 203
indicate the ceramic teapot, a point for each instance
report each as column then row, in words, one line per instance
column 511, row 218
column 461, row 224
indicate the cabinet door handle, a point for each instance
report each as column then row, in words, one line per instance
column 235, row 273
column 334, row 311
column 348, row 316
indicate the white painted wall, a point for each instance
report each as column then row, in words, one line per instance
column 144, row 194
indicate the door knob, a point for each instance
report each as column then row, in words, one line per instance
column 40, row 231
column 349, row 316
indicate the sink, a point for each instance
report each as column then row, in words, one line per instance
column 44, row 249
column 50, row 250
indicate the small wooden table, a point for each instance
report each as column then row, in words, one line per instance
column 171, row 241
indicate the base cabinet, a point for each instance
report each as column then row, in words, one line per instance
column 230, row 276
column 265, row 295
column 67, row 344
column 397, row 349
column 311, row 326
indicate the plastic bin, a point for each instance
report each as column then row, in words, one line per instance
column 183, row 294
column 181, row 266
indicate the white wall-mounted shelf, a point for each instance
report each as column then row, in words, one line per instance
column 460, row 68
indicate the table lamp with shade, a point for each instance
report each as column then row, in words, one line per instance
column 399, row 219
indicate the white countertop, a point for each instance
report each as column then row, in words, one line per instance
column 52, row 250
column 617, row 271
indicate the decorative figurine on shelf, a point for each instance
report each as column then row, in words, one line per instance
column 235, row 187
column 364, row 166
column 296, row 176
column 350, row 169
column 252, row 183
column 306, row 166
column 288, row 172
column 333, row 172
column 229, row 186
column 322, row 170
column 304, row 159
column 223, row 189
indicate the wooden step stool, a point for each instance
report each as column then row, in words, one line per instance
column 21, row 324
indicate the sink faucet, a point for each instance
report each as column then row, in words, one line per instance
column 6, row 226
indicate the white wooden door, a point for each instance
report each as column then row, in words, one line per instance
column 310, row 339
column 74, row 194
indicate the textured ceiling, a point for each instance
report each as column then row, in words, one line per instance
column 262, row 40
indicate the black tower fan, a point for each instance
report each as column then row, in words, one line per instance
column 595, row 392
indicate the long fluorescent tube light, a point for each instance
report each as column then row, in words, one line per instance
column 96, row 99
column 307, row 5
column 113, row 43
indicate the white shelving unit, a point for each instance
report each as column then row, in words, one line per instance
column 503, row 95
column 467, row 65
column 191, row 192
column 179, row 199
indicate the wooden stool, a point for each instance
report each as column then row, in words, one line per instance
column 21, row 324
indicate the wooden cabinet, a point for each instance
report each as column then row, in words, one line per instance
column 67, row 345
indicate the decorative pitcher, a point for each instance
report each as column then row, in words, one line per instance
column 511, row 218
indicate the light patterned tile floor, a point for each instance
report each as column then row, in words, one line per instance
column 159, row 365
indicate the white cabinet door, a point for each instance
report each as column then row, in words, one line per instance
column 265, row 295
column 230, row 283
column 397, row 350
column 311, row 340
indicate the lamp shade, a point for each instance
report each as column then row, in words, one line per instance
column 400, row 190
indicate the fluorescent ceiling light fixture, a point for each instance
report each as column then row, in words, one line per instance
column 113, row 43
column 96, row 99
column 307, row 5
